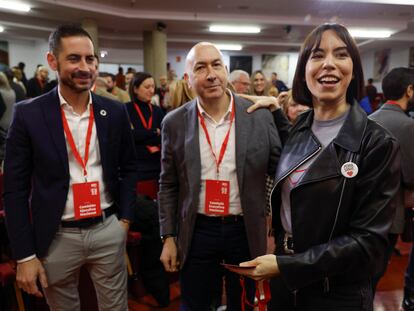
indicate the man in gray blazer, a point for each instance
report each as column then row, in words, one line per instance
column 398, row 88
column 215, row 157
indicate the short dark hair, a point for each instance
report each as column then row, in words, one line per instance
column 300, row 91
column 64, row 31
column 370, row 80
column 395, row 83
column 137, row 80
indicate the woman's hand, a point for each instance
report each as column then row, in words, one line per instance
column 269, row 102
column 263, row 267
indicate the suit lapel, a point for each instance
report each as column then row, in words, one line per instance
column 102, row 116
column 192, row 148
column 53, row 117
column 241, row 139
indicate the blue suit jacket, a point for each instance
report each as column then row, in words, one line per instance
column 36, row 168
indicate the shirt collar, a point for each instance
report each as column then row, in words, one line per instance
column 226, row 115
column 64, row 104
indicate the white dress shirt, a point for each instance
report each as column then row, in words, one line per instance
column 228, row 171
column 78, row 125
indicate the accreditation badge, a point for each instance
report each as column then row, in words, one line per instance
column 86, row 200
column 217, row 197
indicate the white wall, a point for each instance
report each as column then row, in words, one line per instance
column 399, row 58
column 31, row 52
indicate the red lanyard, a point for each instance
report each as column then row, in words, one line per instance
column 391, row 102
column 71, row 142
column 262, row 294
column 141, row 116
column 226, row 139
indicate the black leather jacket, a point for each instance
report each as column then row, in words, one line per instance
column 339, row 224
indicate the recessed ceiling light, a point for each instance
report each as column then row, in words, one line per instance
column 103, row 53
column 234, row 29
column 229, row 47
column 370, row 33
column 1, row 28
column 14, row 6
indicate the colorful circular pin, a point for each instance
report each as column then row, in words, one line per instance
column 349, row 170
column 103, row 113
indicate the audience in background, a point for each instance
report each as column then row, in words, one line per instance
column 7, row 100
column 291, row 108
column 180, row 94
column 259, row 85
column 162, row 92
column 280, row 85
column 36, row 85
column 128, row 77
column 240, row 80
column 18, row 88
column 120, row 78
column 21, row 67
column 101, row 87
column 371, row 92
column 122, row 95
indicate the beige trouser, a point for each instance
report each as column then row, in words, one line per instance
column 100, row 248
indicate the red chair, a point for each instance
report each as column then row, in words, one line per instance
column 148, row 188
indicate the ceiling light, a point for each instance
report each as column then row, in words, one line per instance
column 1, row 28
column 370, row 33
column 104, row 53
column 234, row 29
column 396, row 2
column 229, row 47
column 14, row 6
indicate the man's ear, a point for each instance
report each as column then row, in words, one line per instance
column 187, row 79
column 52, row 61
column 410, row 91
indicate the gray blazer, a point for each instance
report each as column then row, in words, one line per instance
column 401, row 126
column 258, row 149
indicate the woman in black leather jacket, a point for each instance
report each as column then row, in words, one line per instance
column 336, row 176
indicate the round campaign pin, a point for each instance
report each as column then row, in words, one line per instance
column 349, row 169
column 103, row 112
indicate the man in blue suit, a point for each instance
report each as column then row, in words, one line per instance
column 69, row 168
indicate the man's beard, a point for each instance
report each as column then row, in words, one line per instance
column 69, row 82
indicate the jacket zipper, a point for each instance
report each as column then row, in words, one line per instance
column 294, row 168
column 326, row 286
column 294, row 292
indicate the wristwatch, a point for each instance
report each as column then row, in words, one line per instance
column 165, row 236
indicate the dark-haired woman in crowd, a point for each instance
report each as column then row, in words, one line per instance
column 146, row 123
column 336, row 176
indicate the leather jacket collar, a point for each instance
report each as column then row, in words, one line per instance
column 351, row 134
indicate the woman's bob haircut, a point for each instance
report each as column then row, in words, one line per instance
column 300, row 91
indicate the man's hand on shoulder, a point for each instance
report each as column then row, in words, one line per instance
column 269, row 102
column 27, row 275
column 169, row 255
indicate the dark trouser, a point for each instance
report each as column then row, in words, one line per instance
column 349, row 297
column 214, row 242
column 409, row 273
